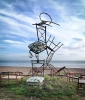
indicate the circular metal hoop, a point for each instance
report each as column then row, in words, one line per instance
column 49, row 22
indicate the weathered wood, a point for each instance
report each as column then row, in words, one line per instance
column 10, row 76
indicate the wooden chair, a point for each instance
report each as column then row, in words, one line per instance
column 81, row 82
column 73, row 76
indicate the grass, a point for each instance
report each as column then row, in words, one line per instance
column 55, row 88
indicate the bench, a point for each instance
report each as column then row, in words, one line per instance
column 11, row 76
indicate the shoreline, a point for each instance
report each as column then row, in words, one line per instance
column 26, row 70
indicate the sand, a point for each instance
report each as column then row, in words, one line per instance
column 26, row 70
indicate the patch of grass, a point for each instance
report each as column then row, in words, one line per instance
column 55, row 88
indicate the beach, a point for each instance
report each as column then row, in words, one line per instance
column 26, row 70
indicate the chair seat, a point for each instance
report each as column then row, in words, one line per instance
column 37, row 47
column 35, row 80
column 75, row 77
column 81, row 81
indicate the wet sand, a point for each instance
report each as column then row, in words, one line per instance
column 26, row 70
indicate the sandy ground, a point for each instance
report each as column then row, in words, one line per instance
column 26, row 70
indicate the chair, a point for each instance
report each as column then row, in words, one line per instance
column 73, row 76
column 51, row 48
column 81, row 82
column 40, row 45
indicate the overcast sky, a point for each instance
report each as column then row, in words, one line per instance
column 17, row 31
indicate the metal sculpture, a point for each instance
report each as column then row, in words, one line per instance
column 42, row 43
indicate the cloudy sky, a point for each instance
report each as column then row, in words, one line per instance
column 17, row 31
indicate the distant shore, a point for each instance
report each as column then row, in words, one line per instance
column 68, row 64
column 26, row 70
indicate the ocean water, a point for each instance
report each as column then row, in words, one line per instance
column 68, row 64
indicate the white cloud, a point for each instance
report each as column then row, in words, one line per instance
column 17, row 28
column 18, row 44
column 14, row 42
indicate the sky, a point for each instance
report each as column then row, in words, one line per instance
column 17, row 31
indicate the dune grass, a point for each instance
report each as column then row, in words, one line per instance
column 55, row 88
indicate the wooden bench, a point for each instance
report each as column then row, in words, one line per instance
column 11, row 76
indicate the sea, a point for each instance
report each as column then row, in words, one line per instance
column 68, row 64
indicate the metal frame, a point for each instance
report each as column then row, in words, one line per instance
column 42, row 43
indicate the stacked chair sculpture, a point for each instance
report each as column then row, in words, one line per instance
column 43, row 44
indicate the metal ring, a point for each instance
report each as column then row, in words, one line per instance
column 44, row 20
